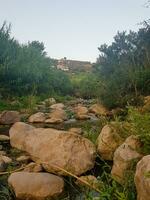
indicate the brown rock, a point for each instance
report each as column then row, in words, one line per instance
column 57, row 106
column 142, row 178
column 36, row 186
column 55, row 148
column 76, row 130
column 37, row 118
column 9, row 117
column 108, row 141
column 4, row 138
column 81, row 112
column 124, row 157
column 18, row 133
column 33, row 167
column 3, row 153
column 50, row 101
column 23, row 159
column 56, row 116
column 6, row 159
column 98, row 109
column 53, row 121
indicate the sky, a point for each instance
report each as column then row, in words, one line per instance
column 72, row 28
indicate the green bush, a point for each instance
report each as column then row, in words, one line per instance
column 141, row 127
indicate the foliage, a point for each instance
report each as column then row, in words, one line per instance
column 141, row 125
column 124, row 68
column 85, row 85
column 26, row 70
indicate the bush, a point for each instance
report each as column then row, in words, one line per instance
column 141, row 127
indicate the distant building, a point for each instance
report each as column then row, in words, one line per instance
column 62, row 64
column 73, row 65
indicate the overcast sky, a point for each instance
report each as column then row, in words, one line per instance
column 72, row 28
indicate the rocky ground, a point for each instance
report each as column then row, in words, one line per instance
column 59, row 147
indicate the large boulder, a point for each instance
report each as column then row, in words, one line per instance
column 18, row 133
column 81, row 112
column 55, row 149
column 142, row 178
column 37, row 118
column 56, row 116
column 124, row 156
column 9, row 117
column 108, row 141
column 98, row 109
column 35, row 186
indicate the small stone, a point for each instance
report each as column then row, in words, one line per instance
column 9, row 117
column 57, row 106
column 98, row 109
column 33, row 167
column 37, row 118
column 2, row 153
column 6, row 159
column 23, row 159
column 4, row 138
column 76, row 130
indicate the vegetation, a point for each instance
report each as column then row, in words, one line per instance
column 124, row 68
column 27, row 70
column 140, row 124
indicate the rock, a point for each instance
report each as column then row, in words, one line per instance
column 54, row 148
column 19, row 132
column 56, row 116
column 2, row 153
column 108, row 141
column 124, row 157
column 4, row 138
column 2, row 165
column 76, row 130
column 6, row 159
column 98, row 109
column 33, row 167
column 142, row 178
column 9, row 117
column 53, row 121
column 81, row 112
column 57, row 106
column 50, row 101
column 37, row 118
column 23, row 159
column 37, row 186
column 71, row 121
column 92, row 180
